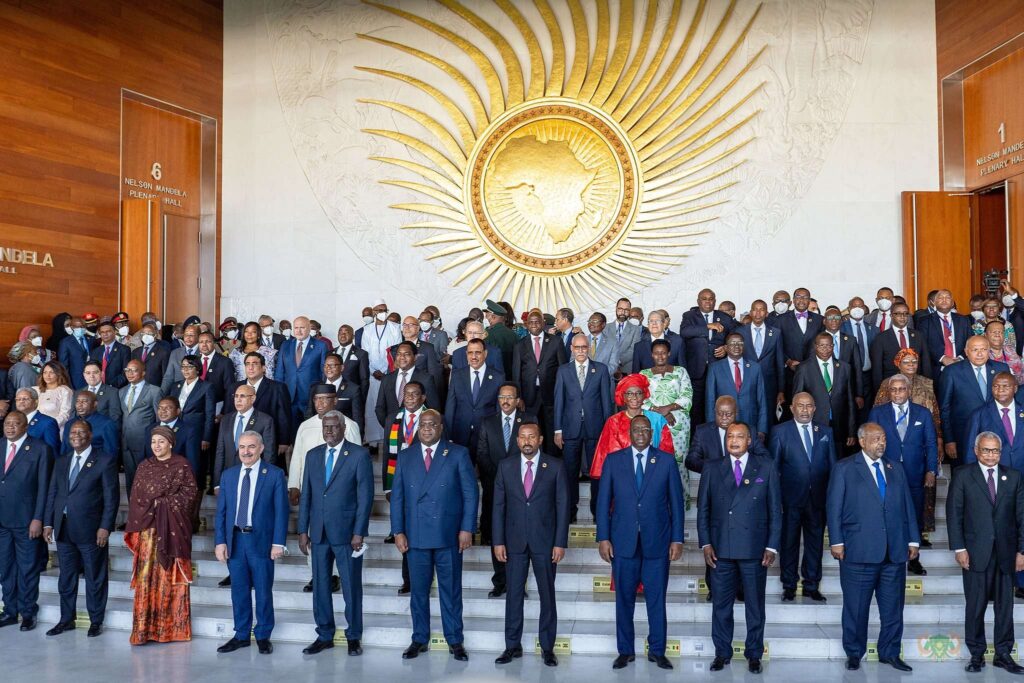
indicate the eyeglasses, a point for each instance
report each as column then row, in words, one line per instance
column 506, row 397
column 990, row 451
column 833, row 317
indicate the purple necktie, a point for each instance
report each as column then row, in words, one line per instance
column 738, row 471
column 1007, row 425
column 991, row 486
column 528, row 479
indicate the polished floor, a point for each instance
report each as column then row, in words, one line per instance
column 74, row 658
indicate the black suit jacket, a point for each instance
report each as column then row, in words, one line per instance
column 119, row 357
column 797, row 345
column 985, row 530
column 220, row 375
column 227, row 454
column 538, row 523
column 272, row 399
column 884, row 349
column 698, row 348
column 355, row 368
column 388, row 404
column 838, row 402
column 706, row 446
column 156, row 363
column 349, row 402
column 526, row 370
column 490, row 447
column 849, row 353
column 426, row 360
column 91, row 502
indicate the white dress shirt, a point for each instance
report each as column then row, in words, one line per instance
column 643, row 459
column 186, row 391
column 522, row 467
column 253, row 476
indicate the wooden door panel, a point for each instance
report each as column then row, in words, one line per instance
column 181, row 267
column 936, row 246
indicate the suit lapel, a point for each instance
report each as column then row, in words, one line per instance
column 20, row 455
column 749, row 477
column 652, row 463
column 868, row 474
column 260, row 479
column 438, row 459
column 88, row 463
column 340, row 458
column 979, row 480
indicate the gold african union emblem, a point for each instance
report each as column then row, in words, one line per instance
column 575, row 179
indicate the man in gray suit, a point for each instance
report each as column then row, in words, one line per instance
column 190, row 339
column 626, row 332
column 603, row 346
column 244, row 418
column 107, row 403
column 139, row 402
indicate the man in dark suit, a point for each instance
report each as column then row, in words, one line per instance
column 565, row 329
column 922, row 313
column 271, row 399
column 74, row 351
column 911, row 441
column 188, row 438
column 985, row 518
column 708, row 442
column 472, row 396
column 81, row 509
column 349, row 395
column 583, row 403
column 107, row 403
column 704, row 331
column 392, row 386
column 139, row 402
column 897, row 337
column 863, row 335
column 530, row 527
column 153, row 354
column 657, row 329
column 804, row 454
column 535, row 362
column 798, row 327
column 1004, row 416
column 830, row 382
column 298, row 365
column 963, row 388
column 24, row 484
column 475, row 330
column 244, row 418
column 112, row 356
column 945, row 333
column 873, row 533
column 40, row 426
column 433, row 516
column 741, row 379
column 496, row 441
column 626, row 335
column 267, row 335
column 762, row 344
column 739, row 528
column 355, row 364
column 426, row 355
column 214, row 368
column 106, row 436
column 189, row 346
column 846, row 349
column 250, row 530
column 645, row 533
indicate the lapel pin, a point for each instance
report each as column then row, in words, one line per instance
column 444, row 453
column 593, row 370
column 27, row 447
column 746, row 481
column 769, row 333
column 88, row 464
column 888, row 465
column 489, row 377
column 519, row 419
column 263, row 471
column 544, row 464
column 1003, row 478
column 344, row 452
column 653, row 461
column 815, row 428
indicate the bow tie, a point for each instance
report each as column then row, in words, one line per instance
column 802, row 315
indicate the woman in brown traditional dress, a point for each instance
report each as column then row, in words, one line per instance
column 159, row 535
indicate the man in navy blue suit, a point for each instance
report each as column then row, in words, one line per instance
column 40, row 426
column 250, row 532
column 657, row 329
column 804, row 454
column 271, row 398
column 740, row 378
column 708, row 442
column 910, row 440
column 434, row 500
column 299, row 363
column 872, row 530
column 334, row 520
column 798, row 327
column 530, row 526
column 703, row 330
column 846, row 349
column 81, row 509
column 945, row 335
column 106, row 437
column 74, row 351
column 762, row 344
column 24, row 483
column 863, row 334
column 963, row 388
column 476, row 330
column 112, row 356
column 472, row 396
column 739, row 527
column 640, row 509
column 583, row 403
column 1004, row 416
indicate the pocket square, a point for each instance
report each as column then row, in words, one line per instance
column 759, row 480
column 917, row 424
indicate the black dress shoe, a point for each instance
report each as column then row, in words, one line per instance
column 739, row 596
column 318, row 646
column 265, row 646
column 788, row 594
column 852, row 663
column 94, row 630
column 458, row 652
column 719, row 663
column 232, row 645
column 8, row 620
column 404, row 590
column 390, row 538
column 707, row 598
column 925, row 543
column 308, row 588
column 121, row 527
column 1017, row 593
column 622, row 660
column 61, row 627
column 754, row 666
column 414, row 650
column 660, row 660
column 509, row 654
column 355, row 648
column 549, row 658
column 335, row 584
column 226, row 581
column 815, row 595
column 914, row 567
column 496, row 593
column 1006, row 663
column 28, row 623
column 975, row 665
column 897, row 664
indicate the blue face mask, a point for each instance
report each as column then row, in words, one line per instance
column 79, row 332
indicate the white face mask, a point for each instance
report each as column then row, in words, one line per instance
column 781, row 307
column 287, row 334
column 34, row 360
column 381, row 315
column 68, row 329
column 159, row 325
column 856, row 312
column 37, row 342
column 437, row 323
column 424, row 325
column 884, row 305
column 367, row 319
column 978, row 315
column 148, row 339
column 314, row 333
column 634, row 322
column 123, row 330
column 268, row 330
column 1009, row 301
column 231, row 334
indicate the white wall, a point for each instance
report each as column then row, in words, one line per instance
column 849, row 121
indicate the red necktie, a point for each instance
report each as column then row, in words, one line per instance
column 145, row 352
column 106, row 357
column 881, row 325
column 10, row 458
column 409, row 431
column 206, row 366
column 536, row 348
column 947, row 341
column 903, row 340
column 426, row 460
column 736, row 377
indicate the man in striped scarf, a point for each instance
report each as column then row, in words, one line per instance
column 401, row 433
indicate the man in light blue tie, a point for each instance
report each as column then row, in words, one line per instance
column 963, row 388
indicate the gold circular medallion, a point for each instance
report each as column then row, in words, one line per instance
column 553, row 186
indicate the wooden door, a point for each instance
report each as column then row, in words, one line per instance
column 936, row 246
column 181, row 281
column 138, row 223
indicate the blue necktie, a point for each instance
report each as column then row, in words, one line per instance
column 330, row 465
column 980, row 372
column 863, row 347
column 242, row 517
column 808, row 442
column 476, row 384
column 85, row 345
column 758, row 342
column 507, row 430
column 879, row 478
column 74, row 471
column 238, row 430
column 639, row 471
